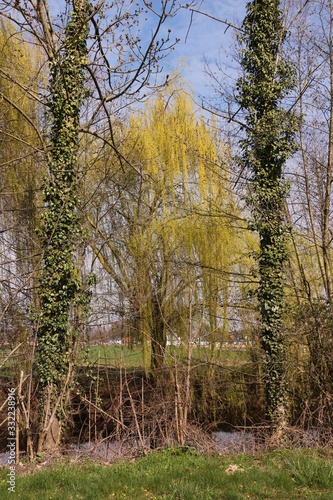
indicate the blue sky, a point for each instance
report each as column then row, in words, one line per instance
column 206, row 40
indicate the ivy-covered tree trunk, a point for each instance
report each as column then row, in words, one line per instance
column 270, row 132
column 60, row 285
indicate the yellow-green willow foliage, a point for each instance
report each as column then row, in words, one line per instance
column 164, row 225
column 21, row 78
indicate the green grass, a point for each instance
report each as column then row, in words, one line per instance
column 173, row 474
column 111, row 355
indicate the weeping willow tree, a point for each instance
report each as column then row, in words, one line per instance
column 21, row 76
column 169, row 228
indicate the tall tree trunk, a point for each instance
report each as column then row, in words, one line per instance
column 306, row 178
column 327, row 195
column 59, row 283
column 269, row 142
column 158, row 337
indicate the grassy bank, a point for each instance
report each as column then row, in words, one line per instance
column 174, row 474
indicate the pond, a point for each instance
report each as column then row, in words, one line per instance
column 225, row 442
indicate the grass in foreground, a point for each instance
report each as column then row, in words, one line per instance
column 173, row 474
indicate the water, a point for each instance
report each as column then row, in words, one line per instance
column 226, row 442
column 4, row 458
column 235, row 442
